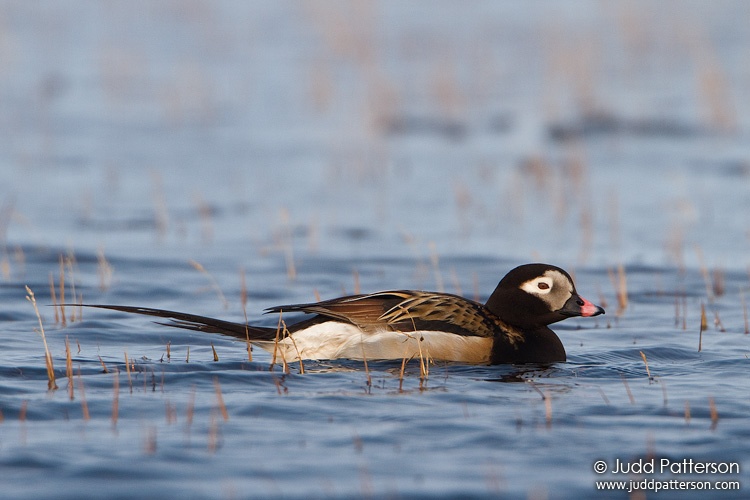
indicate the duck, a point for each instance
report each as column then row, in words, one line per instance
column 512, row 327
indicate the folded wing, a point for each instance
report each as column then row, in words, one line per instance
column 405, row 310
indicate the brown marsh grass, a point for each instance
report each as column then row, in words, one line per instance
column 212, row 281
column 51, row 383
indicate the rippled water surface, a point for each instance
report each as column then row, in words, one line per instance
column 182, row 155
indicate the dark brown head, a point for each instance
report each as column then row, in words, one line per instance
column 535, row 295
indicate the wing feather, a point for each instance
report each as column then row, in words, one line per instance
column 406, row 310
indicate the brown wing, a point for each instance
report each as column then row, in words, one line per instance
column 406, row 310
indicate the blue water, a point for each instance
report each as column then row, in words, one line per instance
column 318, row 149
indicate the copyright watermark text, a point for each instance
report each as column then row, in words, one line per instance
column 666, row 466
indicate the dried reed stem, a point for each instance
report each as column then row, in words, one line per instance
column 687, row 412
column 213, row 349
column 704, row 325
column 401, row 374
column 214, row 284
column 63, row 320
column 104, row 367
column 69, row 369
column 243, row 303
column 276, row 342
column 127, row 371
column 116, row 397
column 243, row 289
column 69, row 265
column 648, row 372
column 51, row 384
column 622, row 290
column 53, row 296
column 294, row 344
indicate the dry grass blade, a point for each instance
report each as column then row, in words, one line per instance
column 127, row 371
column 622, row 290
column 53, row 296
column 704, row 325
column 648, row 372
column 51, row 384
column 213, row 349
column 214, row 284
column 63, row 319
column 116, row 397
column 401, row 374
column 104, row 367
column 69, row 369
column 69, row 261
column 276, row 342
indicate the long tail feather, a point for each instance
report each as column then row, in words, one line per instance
column 198, row 323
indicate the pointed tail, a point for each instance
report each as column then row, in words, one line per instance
column 198, row 323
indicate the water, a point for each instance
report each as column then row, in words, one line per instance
column 319, row 148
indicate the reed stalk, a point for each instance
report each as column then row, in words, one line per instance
column 69, row 369
column 51, row 383
column 214, row 284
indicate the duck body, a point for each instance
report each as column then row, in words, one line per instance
column 511, row 327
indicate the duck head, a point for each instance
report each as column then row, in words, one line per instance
column 535, row 295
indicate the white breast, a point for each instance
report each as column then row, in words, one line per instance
column 334, row 340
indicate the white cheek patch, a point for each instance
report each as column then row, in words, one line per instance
column 533, row 286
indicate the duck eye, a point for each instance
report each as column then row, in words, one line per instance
column 542, row 285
